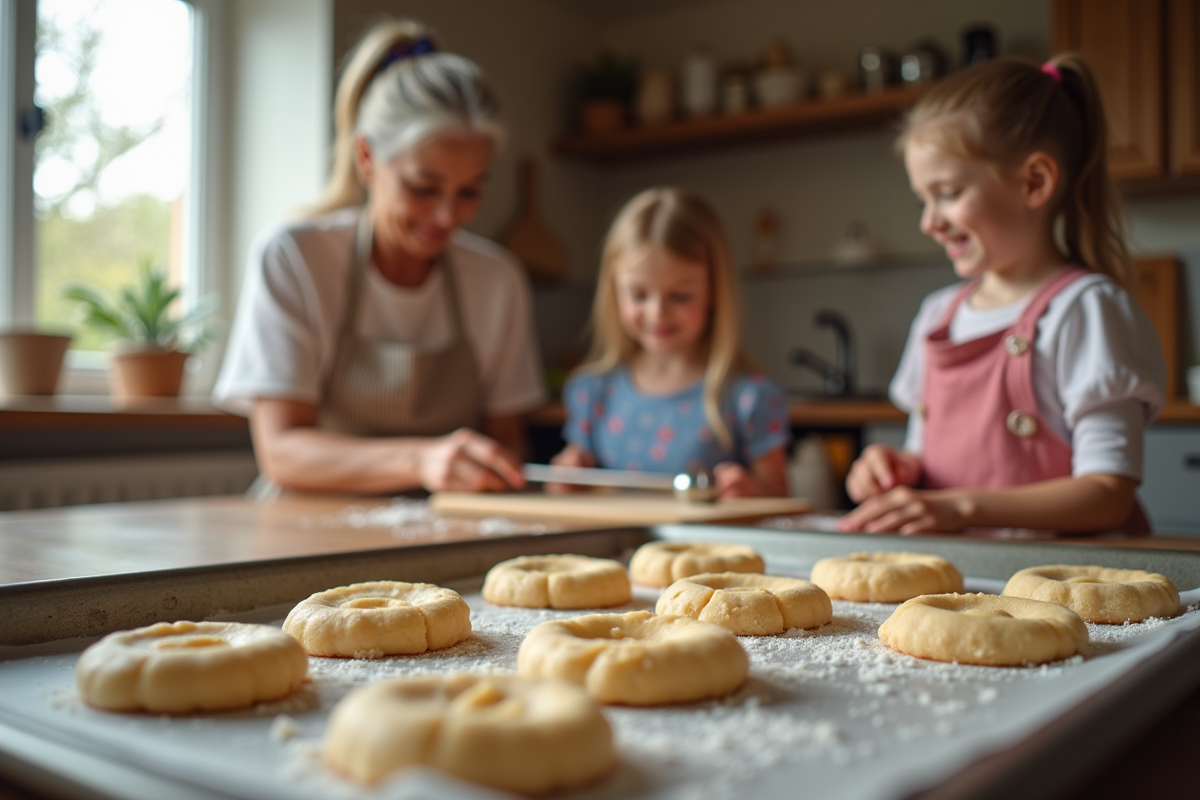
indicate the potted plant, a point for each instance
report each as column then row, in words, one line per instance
column 31, row 361
column 604, row 89
column 154, row 343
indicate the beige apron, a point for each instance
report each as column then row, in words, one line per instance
column 382, row 388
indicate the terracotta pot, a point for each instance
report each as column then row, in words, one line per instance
column 602, row 116
column 147, row 373
column 31, row 362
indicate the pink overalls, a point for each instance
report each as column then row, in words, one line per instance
column 982, row 428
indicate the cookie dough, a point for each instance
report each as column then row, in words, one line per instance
column 636, row 659
column 987, row 629
column 558, row 581
column 748, row 604
column 885, row 577
column 178, row 667
column 662, row 563
column 1099, row 594
column 380, row 618
column 504, row 731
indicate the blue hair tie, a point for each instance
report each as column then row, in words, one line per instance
column 398, row 52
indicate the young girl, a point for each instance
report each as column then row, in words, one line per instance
column 667, row 387
column 1030, row 385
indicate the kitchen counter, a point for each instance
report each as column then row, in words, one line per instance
column 98, row 411
column 124, row 538
column 835, row 412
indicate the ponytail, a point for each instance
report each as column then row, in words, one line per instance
column 1092, row 230
column 396, row 90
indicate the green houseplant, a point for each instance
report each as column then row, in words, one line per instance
column 604, row 89
column 153, row 341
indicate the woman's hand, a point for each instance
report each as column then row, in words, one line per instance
column 571, row 456
column 908, row 510
column 880, row 469
column 468, row 461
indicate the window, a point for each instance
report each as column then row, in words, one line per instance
column 113, row 179
column 111, row 167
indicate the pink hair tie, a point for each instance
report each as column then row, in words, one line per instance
column 1051, row 69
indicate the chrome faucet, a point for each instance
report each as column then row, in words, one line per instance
column 838, row 376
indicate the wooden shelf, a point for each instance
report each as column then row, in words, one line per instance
column 856, row 111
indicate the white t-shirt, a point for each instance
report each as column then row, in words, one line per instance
column 285, row 334
column 1098, row 369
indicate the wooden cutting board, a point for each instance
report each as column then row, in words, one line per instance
column 530, row 238
column 646, row 509
column 1157, row 289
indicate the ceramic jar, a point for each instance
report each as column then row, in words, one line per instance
column 656, row 97
column 700, row 83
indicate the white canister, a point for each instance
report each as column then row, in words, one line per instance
column 700, row 83
column 1193, row 384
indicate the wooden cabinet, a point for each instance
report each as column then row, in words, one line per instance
column 1144, row 54
column 1183, row 70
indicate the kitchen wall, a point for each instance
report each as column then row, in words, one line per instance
column 817, row 187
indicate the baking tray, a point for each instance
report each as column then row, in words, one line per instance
column 825, row 714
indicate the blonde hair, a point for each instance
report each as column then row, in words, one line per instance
column 1003, row 110
column 398, row 101
column 685, row 225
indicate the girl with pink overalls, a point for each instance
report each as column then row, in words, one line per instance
column 1030, row 384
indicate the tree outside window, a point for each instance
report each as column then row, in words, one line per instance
column 112, row 164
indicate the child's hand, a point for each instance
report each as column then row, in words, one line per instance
column 571, row 456
column 880, row 469
column 908, row 510
column 734, row 480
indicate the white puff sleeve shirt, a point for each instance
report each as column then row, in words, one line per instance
column 1098, row 369
column 285, row 334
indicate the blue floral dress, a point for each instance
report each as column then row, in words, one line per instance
column 625, row 429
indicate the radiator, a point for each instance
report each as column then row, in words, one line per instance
column 68, row 482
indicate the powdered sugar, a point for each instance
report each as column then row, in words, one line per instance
column 413, row 520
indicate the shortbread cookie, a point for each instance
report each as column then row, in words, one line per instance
column 662, row 563
column 380, row 618
column 746, row 603
column 504, row 731
column 885, row 577
column 984, row 629
column 636, row 659
column 177, row 667
column 1099, row 594
column 558, row 581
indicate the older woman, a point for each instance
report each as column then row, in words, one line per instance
column 378, row 347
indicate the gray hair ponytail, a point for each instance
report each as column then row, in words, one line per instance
column 397, row 102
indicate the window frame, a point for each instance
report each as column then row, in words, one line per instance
column 204, row 224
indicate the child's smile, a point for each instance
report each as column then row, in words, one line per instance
column 664, row 301
column 975, row 213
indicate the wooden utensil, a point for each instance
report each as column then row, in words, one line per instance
column 530, row 239
column 647, row 509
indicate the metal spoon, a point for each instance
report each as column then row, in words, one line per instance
column 695, row 486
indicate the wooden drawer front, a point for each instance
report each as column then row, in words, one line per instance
column 1171, row 489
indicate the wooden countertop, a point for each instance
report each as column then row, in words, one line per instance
column 835, row 412
column 98, row 411
column 121, row 538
